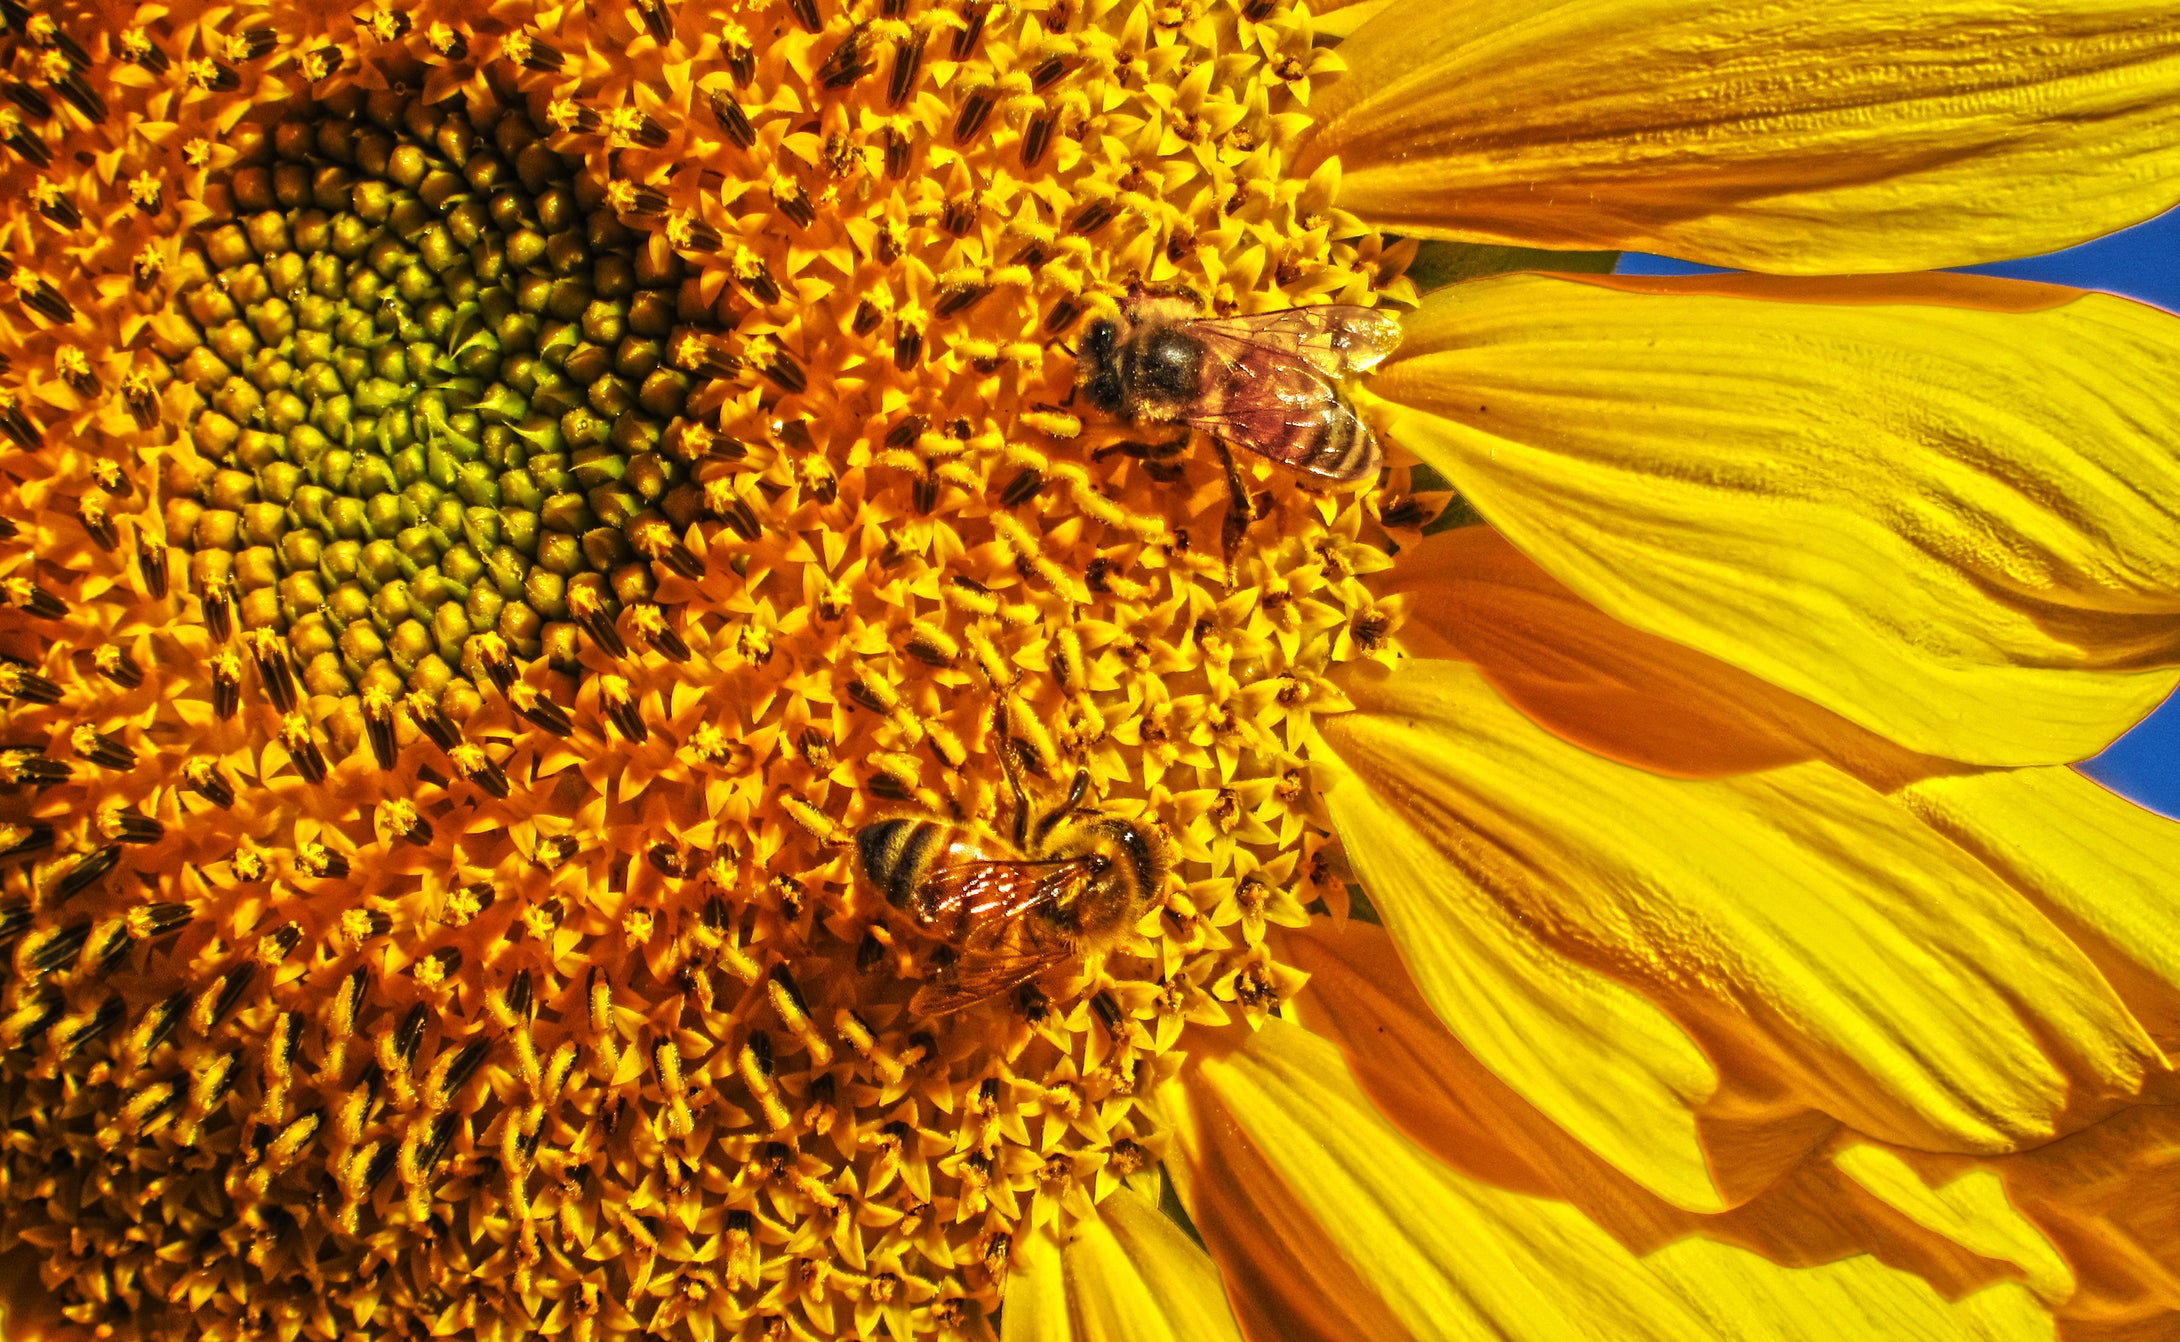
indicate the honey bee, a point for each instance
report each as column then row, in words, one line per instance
column 1073, row 881
column 1267, row 382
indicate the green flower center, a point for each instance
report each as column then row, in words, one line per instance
column 441, row 397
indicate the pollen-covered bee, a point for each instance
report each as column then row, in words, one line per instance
column 1072, row 882
column 1267, row 382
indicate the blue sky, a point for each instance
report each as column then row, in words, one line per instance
column 2142, row 263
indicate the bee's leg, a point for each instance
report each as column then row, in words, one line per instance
column 1012, row 768
column 1241, row 507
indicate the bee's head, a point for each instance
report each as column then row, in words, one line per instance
column 1098, row 366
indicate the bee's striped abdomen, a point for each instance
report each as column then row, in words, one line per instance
column 895, row 854
column 1344, row 448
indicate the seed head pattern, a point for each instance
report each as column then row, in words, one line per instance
column 495, row 498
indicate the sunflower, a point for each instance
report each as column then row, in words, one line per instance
column 513, row 512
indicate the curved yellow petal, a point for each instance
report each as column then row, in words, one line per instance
column 1970, row 1209
column 1949, row 525
column 1344, row 1228
column 1865, row 135
column 2106, row 870
column 1609, row 687
column 1437, row 1093
column 1127, row 1274
column 1844, row 958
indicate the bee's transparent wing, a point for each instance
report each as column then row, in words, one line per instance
column 961, row 902
column 998, row 914
column 1282, row 408
column 979, row 977
column 1334, row 338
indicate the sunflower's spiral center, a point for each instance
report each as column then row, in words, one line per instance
column 443, row 395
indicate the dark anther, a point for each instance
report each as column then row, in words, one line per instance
column 497, row 664
column 629, row 718
column 87, row 869
column 540, row 57
column 466, row 1062
column 104, row 751
column 133, row 827
column 46, row 301
column 29, row 99
column 61, row 211
column 958, row 217
column 19, row 427
column 866, row 318
column 24, row 685
column 378, row 726
column 602, row 630
column 665, row 859
column 732, row 120
column 741, row 64
column 424, row 711
column 21, row 764
column 656, row 21
column 1022, row 488
column 974, row 110
column 742, row 519
column 487, row 775
column 849, row 61
column 806, row 14
column 219, row 614
column 890, row 788
column 907, row 431
column 972, row 28
column 1037, row 136
column 1092, row 217
column 32, row 599
column 796, row 206
column 409, row 1034
column 21, row 839
column 60, row 948
column 15, row 919
column 110, row 1013
column 547, row 716
column 160, row 919
column 907, row 61
column 1045, row 75
column 303, row 751
column 1257, row 11
column 274, row 673
column 785, row 374
column 519, row 1000
column 81, row 96
column 907, row 347
column 253, row 43
column 669, row 644
column 958, row 300
column 1061, row 317
column 226, row 689
column 897, row 155
column 29, row 147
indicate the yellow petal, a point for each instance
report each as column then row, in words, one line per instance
column 1126, row 1275
column 1609, row 687
column 1970, row 1210
column 1444, row 1100
column 1844, row 958
column 2099, row 865
column 1344, row 1228
column 1949, row 525
column 1867, row 135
